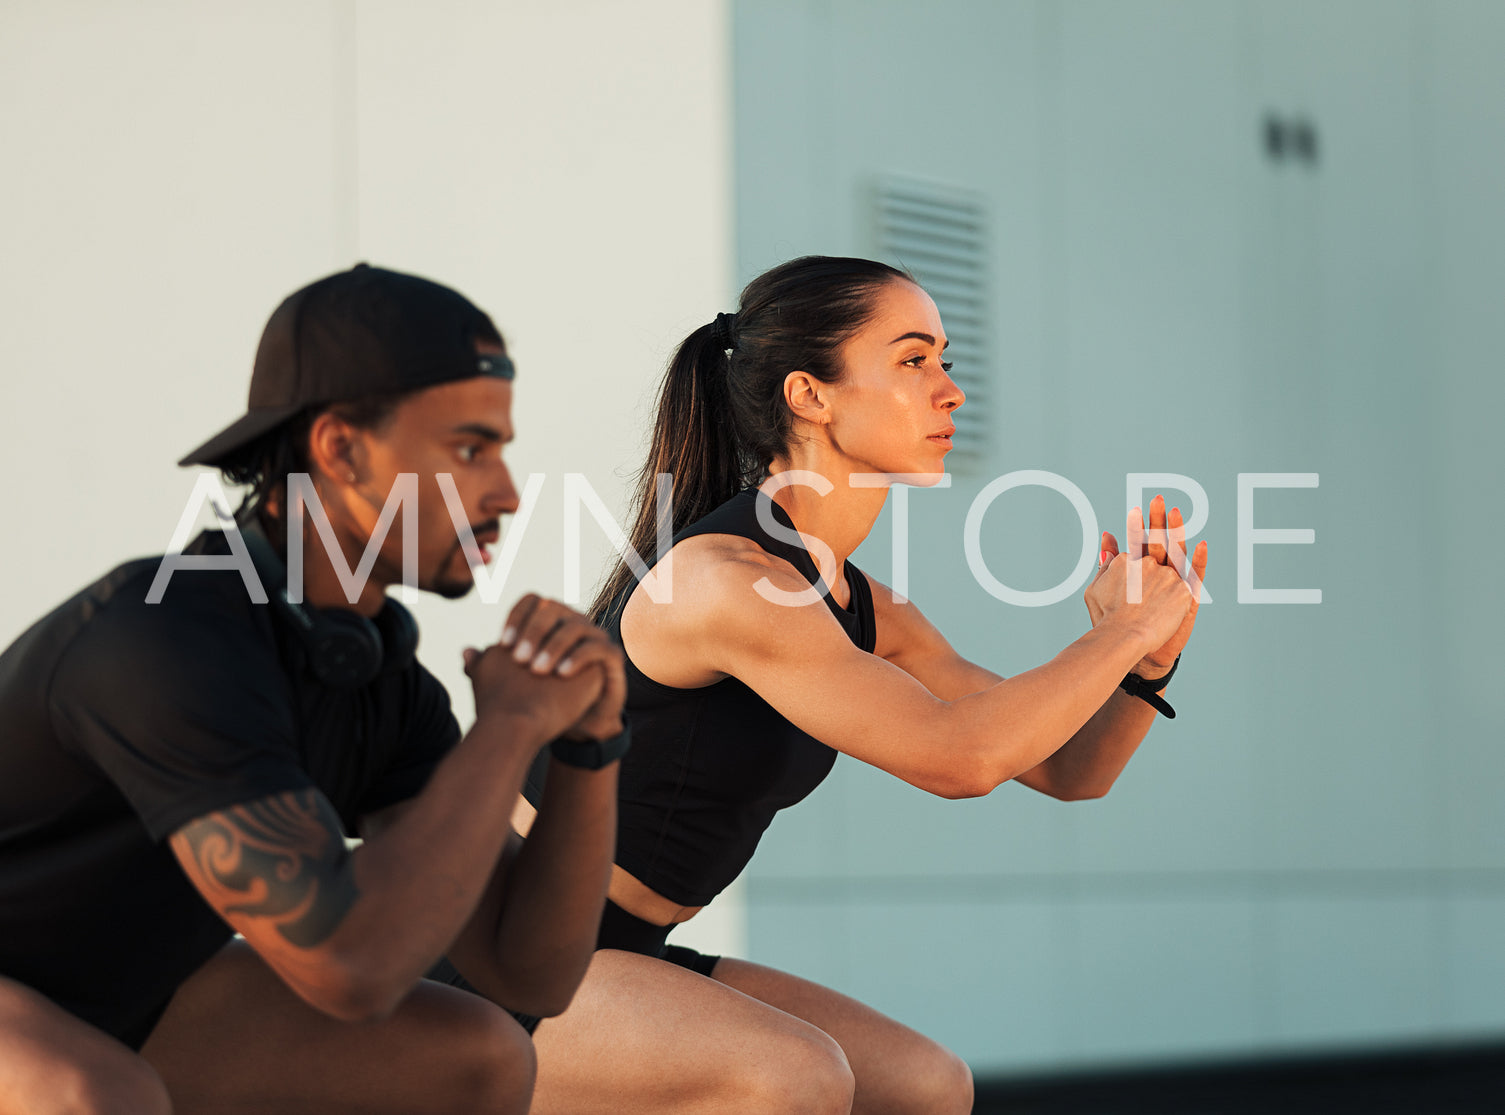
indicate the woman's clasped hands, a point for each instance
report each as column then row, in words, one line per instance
column 1153, row 588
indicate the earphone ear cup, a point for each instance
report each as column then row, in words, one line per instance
column 399, row 636
column 344, row 649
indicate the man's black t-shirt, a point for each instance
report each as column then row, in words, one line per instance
column 121, row 721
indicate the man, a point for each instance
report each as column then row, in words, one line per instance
column 178, row 762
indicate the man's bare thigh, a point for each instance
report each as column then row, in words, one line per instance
column 235, row 1038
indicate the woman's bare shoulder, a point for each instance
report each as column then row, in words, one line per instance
column 711, row 598
column 710, row 571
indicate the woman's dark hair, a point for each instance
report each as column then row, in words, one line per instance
column 721, row 417
column 264, row 465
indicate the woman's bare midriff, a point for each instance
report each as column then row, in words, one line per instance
column 642, row 901
column 626, row 890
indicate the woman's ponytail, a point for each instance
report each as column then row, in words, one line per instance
column 694, row 443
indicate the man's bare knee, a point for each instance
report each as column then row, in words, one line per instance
column 489, row 1059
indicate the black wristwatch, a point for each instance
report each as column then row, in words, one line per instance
column 1148, row 690
column 591, row 754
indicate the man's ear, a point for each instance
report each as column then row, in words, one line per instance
column 334, row 449
column 802, row 394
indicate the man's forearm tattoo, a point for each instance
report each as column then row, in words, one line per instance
column 281, row 858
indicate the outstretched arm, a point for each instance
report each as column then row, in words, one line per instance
column 1089, row 762
column 956, row 734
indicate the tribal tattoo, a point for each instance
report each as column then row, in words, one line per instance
column 282, row 858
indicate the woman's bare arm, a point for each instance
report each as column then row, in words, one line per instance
column 725, row 619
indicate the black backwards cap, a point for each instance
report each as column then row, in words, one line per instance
column 353, row 335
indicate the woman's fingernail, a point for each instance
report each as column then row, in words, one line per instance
column 508, row 634
column 524, row 651
column 565, row 666
column 541, row 663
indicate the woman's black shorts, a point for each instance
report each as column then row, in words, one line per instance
column 619, row 930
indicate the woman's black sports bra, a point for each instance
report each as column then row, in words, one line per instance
column 709, row 767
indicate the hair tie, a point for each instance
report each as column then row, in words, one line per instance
column 722, row 331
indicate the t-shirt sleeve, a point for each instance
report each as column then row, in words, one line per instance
column 184, row 705
column 430, row 731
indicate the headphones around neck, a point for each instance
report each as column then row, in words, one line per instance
column 341, row 648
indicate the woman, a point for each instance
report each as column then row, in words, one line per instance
column 752, row 663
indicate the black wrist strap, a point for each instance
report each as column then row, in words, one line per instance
column 591, row 754
column 1147, row 689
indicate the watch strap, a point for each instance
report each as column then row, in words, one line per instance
column 591, row 754
column 1148, row 689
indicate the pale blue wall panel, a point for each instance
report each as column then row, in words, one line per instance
column 1466, row 261
column 1474, row 988
column 1169, row 298
column 1158, row 979
column 1353, row 970
column 981, row 977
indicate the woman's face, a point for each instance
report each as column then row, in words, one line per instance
column 891, row 412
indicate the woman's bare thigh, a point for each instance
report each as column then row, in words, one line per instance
column 897, row 1069
column 52, row 1062
column 645, row 1035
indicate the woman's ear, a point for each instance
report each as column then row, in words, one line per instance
column 802, row 394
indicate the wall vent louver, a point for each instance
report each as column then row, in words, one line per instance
column 940, row 235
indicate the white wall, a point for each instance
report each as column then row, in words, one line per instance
column 171, row 170
column 1313, row 855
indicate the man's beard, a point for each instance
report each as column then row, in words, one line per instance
column 453, row 588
